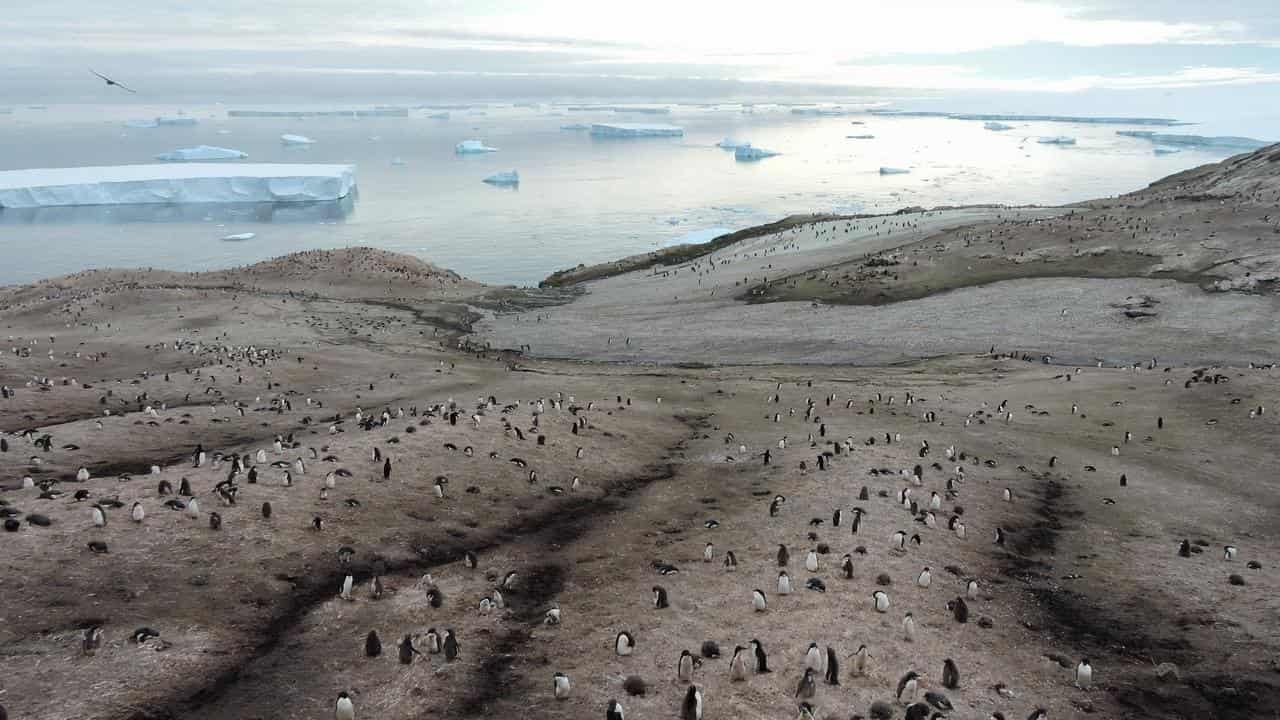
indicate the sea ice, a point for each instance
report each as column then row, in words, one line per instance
column 398, row 161
column 893, row 171
column 504, row 178
column 752, row 153
column 175, row 184
column 141, row 124
column 1227, row 142
column 1165, row 150
column 439, row 116
column 1057, row 140
column 636, row 130
column 470, row 147
column 175, row 120
column 575, row 126
column 993, row 125
column 202, row 152
column 860, row 137
column 731, row 144
column 289, row 139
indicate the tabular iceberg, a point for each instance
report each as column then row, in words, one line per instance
column 175, row 184
column 288, row 139
column 731, row 144
column 202, row 152
column 636, row 130
column 239, row 237
column 1205, row 141
column 1165, row 150
column 504, row 178
column 1057, row 140
column 893, row 171
column 469, row 147
column 175, row 120
column 993, row 125
column 575, row 126
column 141, row 124
column 752, row 153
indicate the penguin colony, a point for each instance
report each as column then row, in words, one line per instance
column 845, row 514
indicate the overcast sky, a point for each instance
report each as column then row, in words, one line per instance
column 676, row 48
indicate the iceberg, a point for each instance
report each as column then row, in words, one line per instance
column 504, row 178
column 731, row 144
column 223, row 131
column 240, row 237
column 1165, row 150
column 380, row 111
column 575, row 126
column 141, row 124
column 202, row 152
column 752, row 153
column 629, row 130
column 179, row 120
column 288, row 139
column 471, row 147
column 993, row 125
column 1015, row 117
column 893, row 171
column 175, row 184
column 439, row 116
column 820, row 111
column 1227, row 142
column 1057, row 140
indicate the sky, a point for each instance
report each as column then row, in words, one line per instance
column 1045, row 52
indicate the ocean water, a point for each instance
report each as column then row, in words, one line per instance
column 581, row 199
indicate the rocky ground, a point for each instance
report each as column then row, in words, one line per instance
column 1124, row 483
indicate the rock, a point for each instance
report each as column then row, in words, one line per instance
column 1236, row 579
column 1167, row 672
column 883, row 579
column 985, row 622
column 881, row 710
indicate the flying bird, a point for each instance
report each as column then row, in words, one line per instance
column 111, row 82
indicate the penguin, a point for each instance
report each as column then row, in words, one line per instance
column 343, row 709
column 614, row 711
column 860, row 659
column 99, row 516
column 833, row 667
column 907, row 686
column 811, row 561
column 784, row 583
column 193, row 509
column 950, row 674
column 450, row 646
column 783, row 556
column 660, row 598
column 407, row 651
column 266, row 511
column 807, row 712
column 881, row 601
column 1038, row 714
column 909, row 627
column 924, row 578
column 730, row 560
column 846, row 566
column 551, row 617
column 708, row 553
column 959, row 609
column 91, row 640
column 624, row 644
column 1229, row 552
column 372, row 644
column 685, row 666
column 1008, row 495
column 758, row 600
column 433, row 642
column 971, row 589
column 813, row 657
column 762, row 660
column 347, row 583
column 807, row 687
column 738, row 665
column 215, row 521
column 899, row 540
column 1184, row 549
column 561, row 686
column 918, row 711
column 691, row 709
column 999, row 539
column 1084, row 674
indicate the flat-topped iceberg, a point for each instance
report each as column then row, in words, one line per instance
column 748, row 152
column 1227, row 142
column 202, row 152
column 471, row 147
column 893, row 171
column 575, row 126
column 1057, row 140
column 289, row 139
column 1017, row 117
column 175, row 184
column 239, row 237
column 141, row 124
column 504, row 178
column 357, row 113
column 993, row 125
column 732, row 144
column 1165, row 150
column 636, row 130
column 179, row 120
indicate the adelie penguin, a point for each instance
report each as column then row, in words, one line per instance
column 908, row 685
column 407, row 651
column 372, row 644
column 950, row 675
column 808, row 686
column 813, row 657
column 784, row 583
column 758, row 600
column 343, row 709
column 614, row 711
column 783, row 556
column 561, row 686
column 833, row 667
column 660, row 597
column 624, row 644
column 450, row 646
column 880, row 600
column 1083, row 674
column 738, row 665
column 762, row 659
column 691, row 708
column 685, row 666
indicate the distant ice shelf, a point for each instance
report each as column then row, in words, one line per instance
column 504, row 178
column 201, row 152
column 1227, row 142
column 636, row 130
column 1056, row 140
column 860, row 137
column 472, row 147
column 747, row 153
column 289, row 139
column 620, row 109
column 357, row 113
column 170, row 120
column 175, row 184
column 1014, row 117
